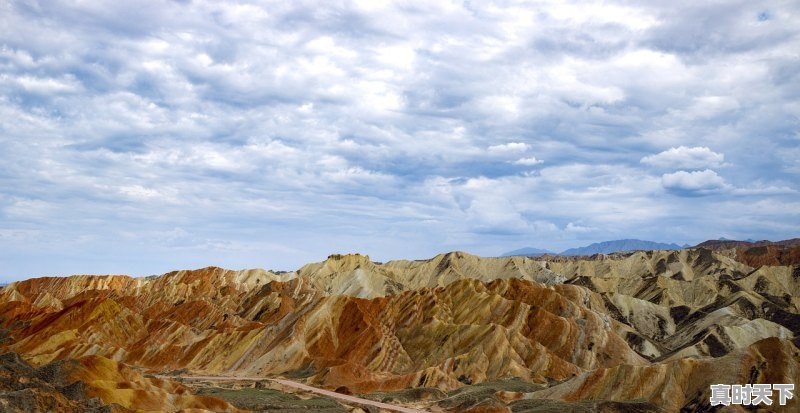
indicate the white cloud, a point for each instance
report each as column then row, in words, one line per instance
column 703, row 182
column 571, row 227
column 44, row 85
column 506, row 149
column 708, row 182
column 764, row 190
column 711, row 106
column 684, row 157
column 528, row 161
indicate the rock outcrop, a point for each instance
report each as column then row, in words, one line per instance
column 684, row 385
column 92, row 384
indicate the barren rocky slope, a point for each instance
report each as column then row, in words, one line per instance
column 92, row 384
column 758, row 253
column 723, row 244
column 567, row 324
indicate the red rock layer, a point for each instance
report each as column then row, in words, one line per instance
column 724, row 244
column 769, row 255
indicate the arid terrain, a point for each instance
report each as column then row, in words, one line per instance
column 644, row 331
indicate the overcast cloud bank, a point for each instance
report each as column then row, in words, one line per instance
column 143, row 138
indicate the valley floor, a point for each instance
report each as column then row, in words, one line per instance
column 257, row 393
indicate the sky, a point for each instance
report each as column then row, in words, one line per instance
column 142, row 137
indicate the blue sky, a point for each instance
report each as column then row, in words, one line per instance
column 141, row 138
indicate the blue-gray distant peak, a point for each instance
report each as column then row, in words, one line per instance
column 527, row 252
column 608, row 247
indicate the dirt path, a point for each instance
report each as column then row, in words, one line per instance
column 305, row 387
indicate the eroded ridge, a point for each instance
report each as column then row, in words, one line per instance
column 568, row 325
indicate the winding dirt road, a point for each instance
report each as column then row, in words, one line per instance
column 305, row 387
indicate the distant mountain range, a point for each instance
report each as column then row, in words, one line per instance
column 606, row 247
column 723, row 243
column 528, row 252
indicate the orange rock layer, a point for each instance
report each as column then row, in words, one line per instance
column 93, row 384
column 467, row 331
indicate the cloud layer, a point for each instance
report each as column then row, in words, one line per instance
column 142, row 139
column 685, row 157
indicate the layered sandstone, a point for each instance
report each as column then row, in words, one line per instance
column 446, row 322
column 93, row 384
column 684, row 383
